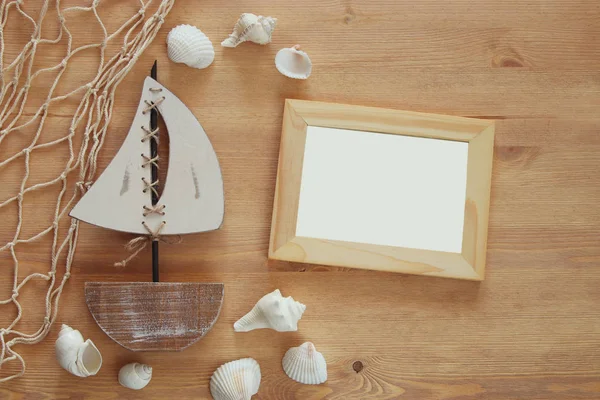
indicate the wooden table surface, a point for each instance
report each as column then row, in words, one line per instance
column 531, row 330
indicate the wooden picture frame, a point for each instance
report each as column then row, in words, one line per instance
column 286, row 245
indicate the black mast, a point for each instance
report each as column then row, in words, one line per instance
column 154, row 176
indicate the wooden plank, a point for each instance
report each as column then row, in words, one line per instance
column 153, row 316
column 531, row 330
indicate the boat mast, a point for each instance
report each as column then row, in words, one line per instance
column 154, row 174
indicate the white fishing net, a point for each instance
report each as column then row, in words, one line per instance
column 27, row 138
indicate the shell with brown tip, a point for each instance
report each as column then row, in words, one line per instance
column 305, row 364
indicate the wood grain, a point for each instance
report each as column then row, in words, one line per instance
column 154, row 316
column 531, row 330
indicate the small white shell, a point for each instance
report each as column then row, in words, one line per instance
column 79, row 357
column 236, row 380
column 251, row 28
column 135, row 375
column 305, row 364
column 293, row 63
column 189, row 45
column 272, row 311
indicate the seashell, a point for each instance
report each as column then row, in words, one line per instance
column 251, row 28
column 81, row 358
column 272, row 311
column 305, row 364
column 135, row 375
column 189, row 45
column 293, row 63
column 236, row 380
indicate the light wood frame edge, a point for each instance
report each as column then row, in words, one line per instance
column 284, row 245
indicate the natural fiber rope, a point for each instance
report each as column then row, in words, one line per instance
column 92, row 117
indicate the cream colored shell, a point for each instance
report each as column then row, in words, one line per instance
column 251, row 28
column 236, row 380
column 293, row 63
column 272, row 311
column 189, row 45
column 305, row 364
column 135, row 375
column 79, row 357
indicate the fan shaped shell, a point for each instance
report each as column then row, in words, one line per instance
column 305, row 364
column 293, row 63
column 236, row 380
column 189, row 45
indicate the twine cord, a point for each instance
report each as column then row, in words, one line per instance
column 84, row 139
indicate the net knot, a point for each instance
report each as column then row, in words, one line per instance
column 26, row 86
column 142, row 11
column 63, row 63
column 15, row 294
column 159, row 18
column 20, row 197
column 51, row 273
column 10, row 245
column 61, row 19
column 46, row 320
column 67, row 275
column 26, row 150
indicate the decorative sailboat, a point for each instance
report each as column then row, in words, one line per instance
column 143, row 316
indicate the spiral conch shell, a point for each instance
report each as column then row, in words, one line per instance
column 272, row 311
column 135, row 375
column 79, row 357
column 293, row 63
column 236, row 380
column 251, row 28
column 189, row 45
column 305, row 364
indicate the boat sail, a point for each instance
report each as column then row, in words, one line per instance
column 193, row 193
column 151, row 316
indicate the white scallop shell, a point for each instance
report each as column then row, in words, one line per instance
column 79, row 357
column 293, row 63
column 272, row 311
column 135, row 375
column 189, row 45
column 305, row 364
column 251, row 28
column 236, row 380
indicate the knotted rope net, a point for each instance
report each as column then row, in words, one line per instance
column 84, row 137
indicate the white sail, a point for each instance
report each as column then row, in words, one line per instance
column 193, row 191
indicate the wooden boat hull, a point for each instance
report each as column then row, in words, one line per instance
column 149, row 316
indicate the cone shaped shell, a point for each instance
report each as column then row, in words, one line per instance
column 189, row 45
column 305, row 364
column 293, row 63
column 251, row 28
column 236, row 380
column 272, row 311
column 79, row 357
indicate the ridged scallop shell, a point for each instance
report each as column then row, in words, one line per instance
column 305, row 364
column 293, row 63
column 251, row 28
column 189, row 45
column 272, row 311
column 236, row 380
